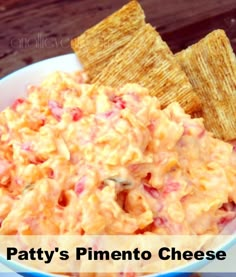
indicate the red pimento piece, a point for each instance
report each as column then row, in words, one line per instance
column 109, row 114
column 228, row 207
column 26, row 146
column 37, row 160
column 42, row 122
column 51, row 173
column 76, row 113
column 202, row 133
column 119, row 102
column 134, row 167
column 101, row 186
column 63, row 200
column 56, row 109
column 226, row 219
column 17, row 102
column 151, row 127
column 171, row 187
column 160, row 221
column 152, row 191
column 148, row 176
column 79, row 187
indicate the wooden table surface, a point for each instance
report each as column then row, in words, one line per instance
column 34, row 30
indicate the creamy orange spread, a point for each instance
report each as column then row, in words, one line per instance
column 80, row 159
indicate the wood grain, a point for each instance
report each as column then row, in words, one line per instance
column 34, row 30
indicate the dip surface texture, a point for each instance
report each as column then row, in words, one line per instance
column 80, row 159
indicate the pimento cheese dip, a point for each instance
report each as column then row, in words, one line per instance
column 81, row 159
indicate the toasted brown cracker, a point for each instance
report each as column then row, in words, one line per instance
column 148, row 61
column 210, row 66
column 98, row 44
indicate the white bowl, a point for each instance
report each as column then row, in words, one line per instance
column 14, row 86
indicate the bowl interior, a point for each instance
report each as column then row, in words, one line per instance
column 14, row 86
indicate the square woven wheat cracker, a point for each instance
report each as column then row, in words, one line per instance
column 210, row 66
column 148, row 61
column 98, row 44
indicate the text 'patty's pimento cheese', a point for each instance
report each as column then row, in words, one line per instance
column 81, row 159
